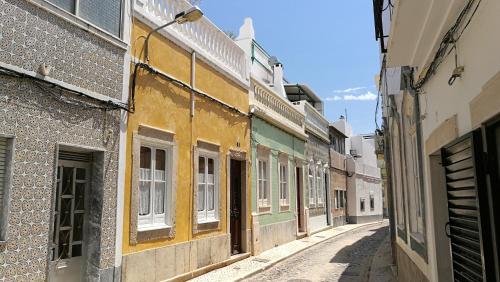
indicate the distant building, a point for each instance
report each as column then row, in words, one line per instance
column 338, row 175
column 364, row 183
column 317, row 154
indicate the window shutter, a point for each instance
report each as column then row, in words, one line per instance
column 3, row 170
column 460, row 162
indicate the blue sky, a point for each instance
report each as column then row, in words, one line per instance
column 326, row 44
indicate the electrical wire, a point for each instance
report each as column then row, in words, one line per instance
column 449, row 39
column 177, row 82
column 50, row 87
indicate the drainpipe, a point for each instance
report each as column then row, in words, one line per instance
column 191, row 170
column 390, row 192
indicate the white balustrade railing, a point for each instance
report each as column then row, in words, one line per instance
column 277, row 107
column 315, row 121
column 202, row 36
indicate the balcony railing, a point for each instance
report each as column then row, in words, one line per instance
column 315, row 121
column 276, row 109
column 202, row 36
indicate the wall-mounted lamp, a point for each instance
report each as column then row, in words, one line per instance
column 190, row 15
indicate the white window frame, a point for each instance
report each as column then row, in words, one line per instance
column 320, row 189
column 284, row 183
column 263, row 202
column 157, row 221
column 206, row 215
column 79, row 20
column 343, row 199
column 311, row 183
column 337, row 199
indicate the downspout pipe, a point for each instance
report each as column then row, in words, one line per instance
column 390, row 191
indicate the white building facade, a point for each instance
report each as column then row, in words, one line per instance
column 441, row 108
column 364, row 185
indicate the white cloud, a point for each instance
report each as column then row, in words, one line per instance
column 350, row 90
column 334, row 98
column 368, row 96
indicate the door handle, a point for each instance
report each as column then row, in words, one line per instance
column 447, row 229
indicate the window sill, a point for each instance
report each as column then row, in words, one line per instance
column 3, row 242
column 265, row 210
column 155, row 233
column 153, row 227
column 208, row 221
column 208, row 225
column 81, row 23
column 284, row 209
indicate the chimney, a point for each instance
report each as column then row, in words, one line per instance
column 246, row 30
column 246, row 36
column 278, row 84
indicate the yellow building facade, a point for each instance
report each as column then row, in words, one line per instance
column 188, row 151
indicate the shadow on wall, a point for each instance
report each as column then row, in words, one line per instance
column 358, row 256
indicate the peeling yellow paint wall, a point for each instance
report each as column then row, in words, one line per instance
column 166, row 106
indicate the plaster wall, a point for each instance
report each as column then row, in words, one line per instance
column 277, row 140
column 165, row 106
column 471, row 100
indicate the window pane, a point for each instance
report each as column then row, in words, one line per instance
column 160, row 169
column 159, row 201
column 201, row 170
column 201, row 197
column 211, row 197
column 264, row 190
column 144, row 197
column 210, row 176
column 67, row 5
column 79, row 196
column 104, row 14
column 80, row 173
column 145, row 164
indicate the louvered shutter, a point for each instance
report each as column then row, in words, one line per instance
column 459, row 161
column 3, row 168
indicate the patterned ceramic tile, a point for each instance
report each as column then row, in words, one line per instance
column 30, row 36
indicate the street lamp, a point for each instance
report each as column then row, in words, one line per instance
column 190, row 15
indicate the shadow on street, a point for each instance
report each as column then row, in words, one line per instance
column 358, row 256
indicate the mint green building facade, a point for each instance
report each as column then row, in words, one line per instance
column 278, row 223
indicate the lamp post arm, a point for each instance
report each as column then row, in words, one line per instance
column 146, row 42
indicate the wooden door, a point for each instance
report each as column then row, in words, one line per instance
column 235, row 206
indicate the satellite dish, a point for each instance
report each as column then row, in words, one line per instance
column 273, row 61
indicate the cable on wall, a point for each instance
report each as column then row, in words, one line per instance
column 57, row 92
column 177, row 82
column 450, row 39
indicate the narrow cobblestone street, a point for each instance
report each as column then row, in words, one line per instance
column 347, row 257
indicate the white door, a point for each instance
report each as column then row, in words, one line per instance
column 69, row 243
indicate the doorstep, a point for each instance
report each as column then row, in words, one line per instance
column 301, row 235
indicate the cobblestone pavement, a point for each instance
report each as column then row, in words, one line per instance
column 346, row 257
